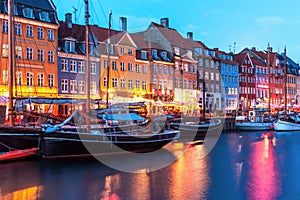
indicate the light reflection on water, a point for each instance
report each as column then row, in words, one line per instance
column 241, row 166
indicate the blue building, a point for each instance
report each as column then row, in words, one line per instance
column 229, row 73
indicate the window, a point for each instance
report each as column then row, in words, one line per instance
column 81, row 67
column 64, row 65
column 154, row 69
column 51, row 56
column 130, row 52
column 93, row 88
column 18, row 29
column 105, row 64
column 122, row 50
column 114, row 65
column 165, row 69
column 138, row 68
column 212, row 64
column 144, row 55
column 164, row 55
column 19, row 77
column 70, row 46
column 29, row 53
column 44, row 16
column 29, row 31
column 29, row 79
column 137, row 84
column 130, row 84
column 4, row 77
column 40, row 33
column 64, row 85
column 155, row 84
column 123, row 83
column 81, row 87
column 206, row 75
column 4, row 26
column 176, row 82
column 144, row 85
column 40, row 80
column 144, row 69
column 73, row 66
column 93, row 68
column 5, row 50
column 40, row 55
column 154, row 54
column 130, row 67
column 105, row 81
column 18, row 52
column 159, row 69
column 28, row 13
column 114, row 82
column 73, row 86
column 122, row 66
column 217, row 77
column 51, row 34
column 50, row 80
column 212, row 76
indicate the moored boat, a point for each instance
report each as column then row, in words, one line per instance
column 258, row 119
column 18, row 154
column 196, row 128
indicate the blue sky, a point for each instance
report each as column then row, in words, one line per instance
column 217, row 23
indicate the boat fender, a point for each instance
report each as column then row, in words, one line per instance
column 272, row 127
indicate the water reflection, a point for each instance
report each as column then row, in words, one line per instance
column 190, row 181
column 263, row 171
column 241, row 166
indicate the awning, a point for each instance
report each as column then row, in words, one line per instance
column 123, row 117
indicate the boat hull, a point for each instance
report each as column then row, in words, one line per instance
column 18, row 138
column 198, row 131
column 62, row 144
column 254, row 126
column 281, row 125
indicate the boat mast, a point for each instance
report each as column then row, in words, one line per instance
column 11, row 61
column 269, row 77
column 108, row 59
column 284, row 82
column 88, row 78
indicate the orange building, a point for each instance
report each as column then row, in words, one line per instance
column 35, row 27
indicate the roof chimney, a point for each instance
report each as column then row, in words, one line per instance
column 253, row 49
column 164, row 22
column 189, row 35
column 69, row 19
column 123, row 24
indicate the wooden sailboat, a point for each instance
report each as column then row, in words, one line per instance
column 197, row 128
column 286, row 122
column 258, row 118
column 59, row 142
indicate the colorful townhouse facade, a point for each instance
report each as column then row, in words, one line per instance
column 247, row 81
column 35, row 27
column 72, row 64
column 229, row 71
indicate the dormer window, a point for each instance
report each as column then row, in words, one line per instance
column 28, row 13
column 15, row 9
column 70, row 46
column 144, row 55
column 44, row 16
column 164, row 55
column 154, row 54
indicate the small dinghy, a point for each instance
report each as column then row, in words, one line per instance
column 18, row 154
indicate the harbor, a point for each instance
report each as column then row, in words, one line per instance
column 241, row 165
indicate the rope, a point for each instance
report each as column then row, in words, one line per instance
column 8, row 147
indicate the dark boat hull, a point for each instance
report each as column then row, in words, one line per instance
column 197, row 131
column 60, row 144
column 18, row 138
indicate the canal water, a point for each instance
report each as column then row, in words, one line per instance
column 241, row 165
